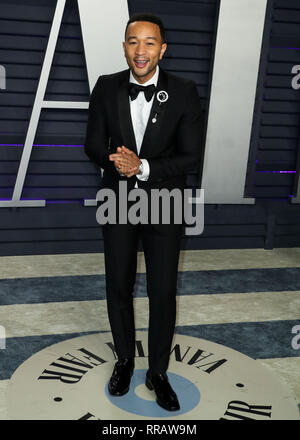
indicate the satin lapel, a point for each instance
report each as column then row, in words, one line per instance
column 153, row 129
column 125, row 116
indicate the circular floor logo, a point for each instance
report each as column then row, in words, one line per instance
column 69, row 381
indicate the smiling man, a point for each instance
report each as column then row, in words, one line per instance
column 145, row 130
column 143, row 48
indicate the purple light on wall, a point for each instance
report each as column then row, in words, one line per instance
column 282, row 47
column 52, row 145
column 64, row 201
column 280, row 172
column 9, row 200
column 47, row 201
column 12, row 145
column 40, row 145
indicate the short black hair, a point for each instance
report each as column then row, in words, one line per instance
column 145, row 16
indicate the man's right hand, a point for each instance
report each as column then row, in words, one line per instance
column 126, row 161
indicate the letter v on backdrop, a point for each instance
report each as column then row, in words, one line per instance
column 232, row 95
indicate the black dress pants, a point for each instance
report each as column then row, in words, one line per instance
column 161, row 246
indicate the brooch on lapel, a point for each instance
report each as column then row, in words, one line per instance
column 161, row 96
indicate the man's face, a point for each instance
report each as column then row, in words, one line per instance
column 143, row 49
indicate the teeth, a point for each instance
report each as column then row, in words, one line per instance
column 141, row 64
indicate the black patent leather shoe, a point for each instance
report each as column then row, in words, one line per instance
column 165, row 396
column 120, row 379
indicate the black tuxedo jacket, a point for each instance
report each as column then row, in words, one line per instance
column 172, row 145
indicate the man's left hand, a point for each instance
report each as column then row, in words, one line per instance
column 126, row 161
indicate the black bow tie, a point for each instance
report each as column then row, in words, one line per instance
column 135, row 89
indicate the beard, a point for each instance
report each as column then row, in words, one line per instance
column 147, row 71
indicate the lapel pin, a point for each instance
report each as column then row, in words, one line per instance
column 161, row 96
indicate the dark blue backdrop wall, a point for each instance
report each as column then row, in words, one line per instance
column 60, row 172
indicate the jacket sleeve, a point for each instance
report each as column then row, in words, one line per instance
column 96, row 145
column 189, row 135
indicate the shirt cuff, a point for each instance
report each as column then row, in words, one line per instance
column 146, row 170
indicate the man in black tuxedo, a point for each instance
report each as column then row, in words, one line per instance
column 151, row 139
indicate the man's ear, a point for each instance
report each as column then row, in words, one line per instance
column 162, row 50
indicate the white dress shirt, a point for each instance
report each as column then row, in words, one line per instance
column 140, row 111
